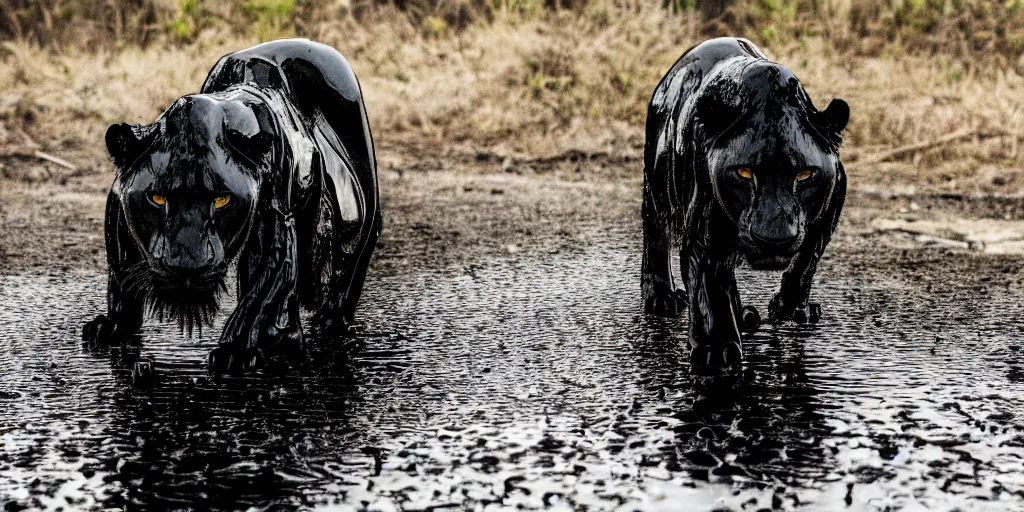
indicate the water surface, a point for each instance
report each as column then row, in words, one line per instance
column 537, row 383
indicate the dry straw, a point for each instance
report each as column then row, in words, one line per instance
column 935, row 87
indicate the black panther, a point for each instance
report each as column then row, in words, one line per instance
column 738, row 165
column 271, row 166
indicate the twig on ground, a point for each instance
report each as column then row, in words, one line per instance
column 59, row 161
column 43, row 156
column 917, row 147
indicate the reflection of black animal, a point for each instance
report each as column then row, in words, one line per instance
column 273, row 163
column 738, row 165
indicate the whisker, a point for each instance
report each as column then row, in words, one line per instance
column 191, row 310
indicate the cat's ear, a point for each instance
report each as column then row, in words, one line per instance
column 717, row 112
column 834, row 118
column 127, row 142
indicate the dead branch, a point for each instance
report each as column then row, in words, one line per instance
column 42, row 156
column 918, row 147
column 57, row 160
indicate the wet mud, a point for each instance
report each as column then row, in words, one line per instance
column 533, row 380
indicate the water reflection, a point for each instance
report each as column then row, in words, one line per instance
column 241, row 441
column 531, row 383
column 760, row 425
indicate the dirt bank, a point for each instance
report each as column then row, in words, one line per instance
column 458, row 206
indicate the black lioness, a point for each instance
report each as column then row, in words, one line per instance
column 738, row 164
column 272, row 166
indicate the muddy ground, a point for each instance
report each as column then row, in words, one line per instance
column 503, row 362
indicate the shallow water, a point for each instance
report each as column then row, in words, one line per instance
column 538, row 383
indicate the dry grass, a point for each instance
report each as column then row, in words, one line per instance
column 536, row 87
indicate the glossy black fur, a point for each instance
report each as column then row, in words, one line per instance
column 724, row 106
column 281, row 128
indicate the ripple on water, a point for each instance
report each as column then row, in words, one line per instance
column 537, row 384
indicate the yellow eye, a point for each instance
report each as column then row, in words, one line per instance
column 221, row 201
column 804, row 174
column 745, row 172
column 158, row 199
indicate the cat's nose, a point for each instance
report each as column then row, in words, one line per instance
column 775, row 239
column 187, row 268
